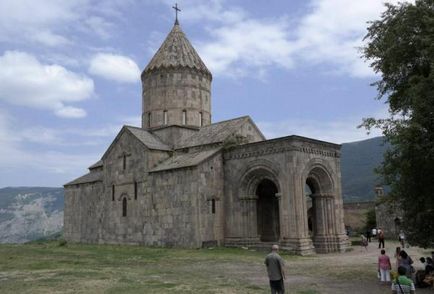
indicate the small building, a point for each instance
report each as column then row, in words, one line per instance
column 388, row 214
column 181, row 180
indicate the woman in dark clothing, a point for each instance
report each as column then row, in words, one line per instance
column 406, row 261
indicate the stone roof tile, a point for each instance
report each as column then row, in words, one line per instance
column 183, row 160
column 87, row 178
column 149, row 140
column 214, row 133
column 176, row 51
column 99, row 163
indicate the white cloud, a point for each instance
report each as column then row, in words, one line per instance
column 247, row 45
column 37, row 21
column 333, row 31
column 115, row 67
column 17, row 157
column 70, row 112
column 99, row 26
column 55, row 22
column 27, row 82
column 329, row 33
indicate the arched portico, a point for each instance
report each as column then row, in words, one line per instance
column 321, row 208
column 259, row 198
column 267, row 208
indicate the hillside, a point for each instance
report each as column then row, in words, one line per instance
column 358, row 161
column 29, row 213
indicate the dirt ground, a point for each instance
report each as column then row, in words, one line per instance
column 351, row 272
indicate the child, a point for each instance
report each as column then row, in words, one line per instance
column 364, row 242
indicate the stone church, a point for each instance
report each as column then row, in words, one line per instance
column 181, row 180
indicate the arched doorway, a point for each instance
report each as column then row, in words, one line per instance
column 310, row 211
column 320, row 208
column 268, row 211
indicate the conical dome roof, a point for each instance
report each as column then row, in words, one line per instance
column 176, row 51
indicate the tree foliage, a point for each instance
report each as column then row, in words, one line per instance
column 371, row 221
column 400, row 47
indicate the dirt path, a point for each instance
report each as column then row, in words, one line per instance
column 351, row 272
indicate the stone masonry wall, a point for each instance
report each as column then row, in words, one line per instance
column 170, row 210
column 175, row 90
column 82, row 213
column 116, row 228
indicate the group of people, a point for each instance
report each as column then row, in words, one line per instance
column 407, row 277
column 374, row 233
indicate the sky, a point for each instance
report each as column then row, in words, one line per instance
column 70, row 73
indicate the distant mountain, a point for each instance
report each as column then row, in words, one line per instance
column 358, row 161
column 29, row 213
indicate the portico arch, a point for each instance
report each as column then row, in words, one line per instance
column 259, row 195
column 320, row 197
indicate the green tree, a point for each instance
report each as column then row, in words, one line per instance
column 400, row 47
column 371, row 220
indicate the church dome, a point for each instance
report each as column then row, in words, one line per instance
column 176, row 86
column 176, row 51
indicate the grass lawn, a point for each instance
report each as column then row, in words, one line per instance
column 72, row 268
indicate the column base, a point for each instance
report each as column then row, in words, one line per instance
column 299, row 246
column 331, row 243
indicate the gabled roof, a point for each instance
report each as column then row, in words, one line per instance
column 215, row 133
column 176, row 51
column 99, row 163
column 87, row 178
column 146, row 138
column 183, row 160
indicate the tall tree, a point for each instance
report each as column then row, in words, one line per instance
column 400, row 47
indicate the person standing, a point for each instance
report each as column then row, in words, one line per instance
column 368, row 235
column 275, row 269
column 402, row 284
column 397, row 256
column 380, row 238
column 401, row 238
column 406, row 262
column 384, row 267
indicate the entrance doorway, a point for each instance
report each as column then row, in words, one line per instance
column 268, row 211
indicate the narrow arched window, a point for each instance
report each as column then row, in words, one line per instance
column 113, row 192
column 200, row 119
column 213, row 206
column 184, row 117
column 149, row 119
column 135, row 190
column 124, row 162
column 124, row 207
column 165, row 117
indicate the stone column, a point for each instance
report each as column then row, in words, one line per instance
column 249, row 220
column 281, row 228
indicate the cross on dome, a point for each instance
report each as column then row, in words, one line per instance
column 176, row 13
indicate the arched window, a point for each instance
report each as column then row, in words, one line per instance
column 184, row 117
column 124, row 163
column 165, row 117
column 135, row 190
column 149, row 119
column 124, row 206
column 213, row 206
column 200, row 119
column 113, row 192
